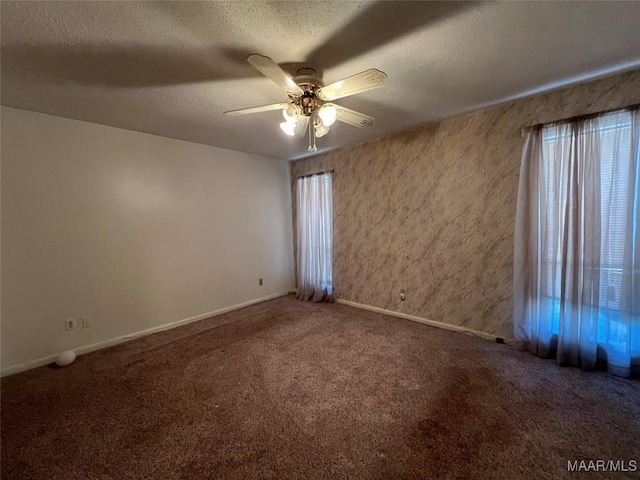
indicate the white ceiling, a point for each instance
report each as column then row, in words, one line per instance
column 173, row 68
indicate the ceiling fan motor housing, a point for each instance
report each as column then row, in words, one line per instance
column 308, row 77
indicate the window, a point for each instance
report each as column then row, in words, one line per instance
column 315, row 237
column 577, row 250
column 614, row 161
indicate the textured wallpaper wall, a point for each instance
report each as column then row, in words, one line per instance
column 433, row 210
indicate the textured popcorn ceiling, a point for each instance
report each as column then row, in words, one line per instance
column 173, row 68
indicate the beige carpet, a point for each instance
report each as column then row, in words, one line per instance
column 287, row 389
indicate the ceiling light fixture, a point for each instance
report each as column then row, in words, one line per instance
column 320, row 118
column 308, row 107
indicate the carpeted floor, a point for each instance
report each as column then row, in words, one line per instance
column 287, row 389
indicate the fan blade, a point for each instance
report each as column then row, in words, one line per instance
column 352, row 117
column 273, row 72
column 248, row 111
column 361, row 82
column 302, row 126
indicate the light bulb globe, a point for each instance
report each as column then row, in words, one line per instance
column 288, row 128
column 328, row 114
column 321, row 130
column 290, row 113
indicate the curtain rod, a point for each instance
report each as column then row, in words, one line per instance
column 576, row 118
column 314, row 174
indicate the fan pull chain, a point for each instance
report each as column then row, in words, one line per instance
column 312, row 136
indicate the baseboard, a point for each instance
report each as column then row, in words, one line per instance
column 21, row 367
column 413, row 318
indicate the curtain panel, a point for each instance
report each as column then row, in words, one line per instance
column 577, row 243
column 315, row 238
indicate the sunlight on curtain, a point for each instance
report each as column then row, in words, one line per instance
column 577, row 248
column 315, row 238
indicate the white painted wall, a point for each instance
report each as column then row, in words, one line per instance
column 135, row 230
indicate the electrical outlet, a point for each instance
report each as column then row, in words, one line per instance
column 403, row 295
column 87, row 322
column 70, row 324
column 259, row 281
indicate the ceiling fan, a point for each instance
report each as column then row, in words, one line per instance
column 309, row 108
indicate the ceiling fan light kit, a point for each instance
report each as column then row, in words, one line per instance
column 308, row 107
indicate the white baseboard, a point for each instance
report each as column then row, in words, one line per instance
column 21, row 367
column 413, row 318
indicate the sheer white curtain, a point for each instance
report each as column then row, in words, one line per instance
column 577, row 247
column 315, row 237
